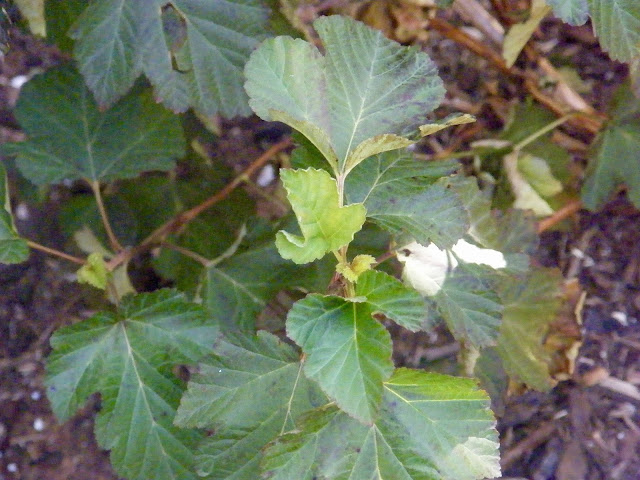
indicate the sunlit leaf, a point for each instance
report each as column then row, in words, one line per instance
column 431, row 427
column 520, row 33
column 33, row 13
column 128, row 357
column 371, row 94
column 326, row 226
column 347, row 351
column 70, row 138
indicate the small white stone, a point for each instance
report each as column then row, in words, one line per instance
column 22, row 211
column 12, row 467
column 18, row 81
column 36, row 395
column 38, row 425
column 620, row 317
column 620, row 435
column 577, row 253
column 266, row 176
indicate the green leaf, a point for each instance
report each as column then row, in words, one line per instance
column 530, row 305
column 617, row 25
column 470, row 306
column 238, row 289
column 432, row 427
column 433, row 215
column 347, row 352
column 326, row 226
column 60, row 16
column 253, row 391
column 70, row 138
column 128, row 357
column 574, row 12
column 371, row 94
column 13, row 248
column 615, row 160
column 192, row 51
column 388, row 296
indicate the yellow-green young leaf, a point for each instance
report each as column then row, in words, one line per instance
column 94, row 272
column 325, row 225
column 431, row 426
column 530, row 305
column 69, row 137
column 519, row 34
column 536, row 171
column 347, row 351
column 451, row 120
column 370, row 94
column 352, row 270
column 33, row 12
column 617, row 25
column 128, row 356
column 526, row 196
column 13, row 248
column 249, row 393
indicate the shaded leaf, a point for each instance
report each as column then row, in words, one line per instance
column 199, row 66
column 13, row 248
column 33, row 13
column 253, row 391
column 128, row 357
column 70, row 138
column 388, row 296
column 530, row 305
column 617, row 25
column 431, row 427
column 372, row 95
column 60, row 16
column 470, row 306
column 347, row 352
column 574, row 12
column 615, row 160
column 326, row 226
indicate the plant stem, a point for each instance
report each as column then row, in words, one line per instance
column 188, row 253
column 547, row 128
column 113, row 240
column 55, row 253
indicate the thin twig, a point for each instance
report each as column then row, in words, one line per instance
column 559, row 215
column 54, row 252
column 113, row 240
column 187, row 253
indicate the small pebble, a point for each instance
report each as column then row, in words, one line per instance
column 621, row 317
column 12, row 467
column 266, row 176
column 18, row 81
column 38, row 425
column 36, row 395
column 22, row 211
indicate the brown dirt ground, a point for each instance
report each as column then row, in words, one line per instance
column 585, row 428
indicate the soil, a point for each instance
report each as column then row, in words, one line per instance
column 586, row 428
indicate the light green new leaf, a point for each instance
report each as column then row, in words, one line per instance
column 70, row 138
column 13, row 248
column 370, row 94
column 520, row 33
column 615, row 160
column 128, row 357
column 432, row 427
column 617, row 25
column 530, row 305
column 326, row 226
column 390, row 297
column 192, row 51
column 574, row 12
column 253, row 391
column 470, row 306
column 347, row 351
